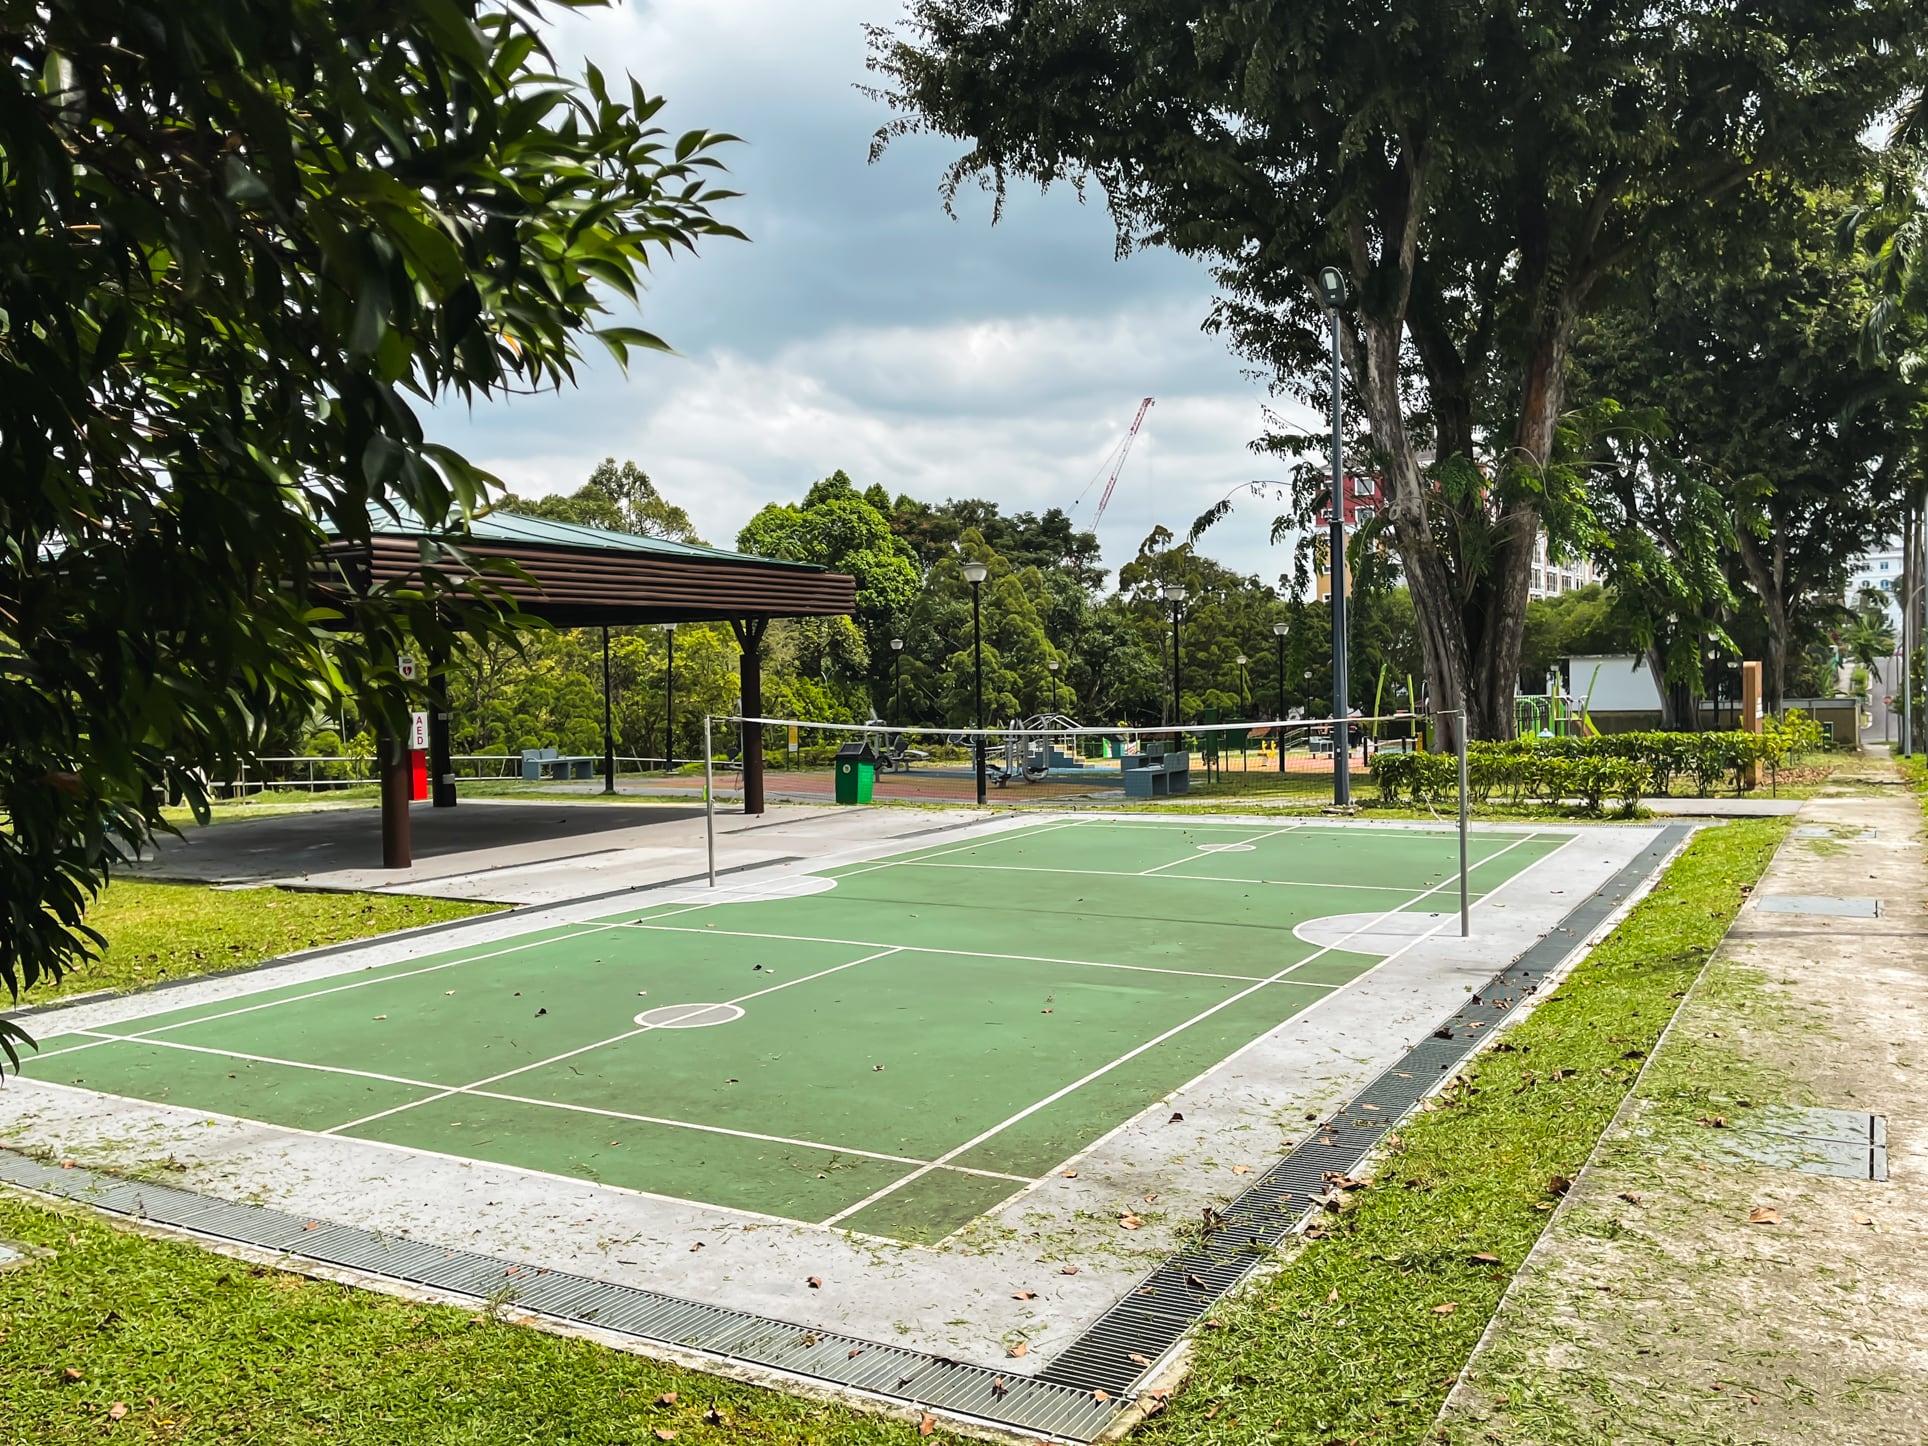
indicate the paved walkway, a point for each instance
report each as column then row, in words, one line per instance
column 1663, row 1305
column 522, row 852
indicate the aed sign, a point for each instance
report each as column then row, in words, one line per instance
column 418, row 731
column 408, row 668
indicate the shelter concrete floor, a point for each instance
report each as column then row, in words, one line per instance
column 522, row 852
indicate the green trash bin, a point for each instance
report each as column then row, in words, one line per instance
column 856, row 772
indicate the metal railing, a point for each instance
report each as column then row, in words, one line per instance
column 326, row 773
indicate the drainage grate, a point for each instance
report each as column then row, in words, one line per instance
column 1156, row 1313
column 1830, row 904
column 1075, row 1398
column 1040, row 1408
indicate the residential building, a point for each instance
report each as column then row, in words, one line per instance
column 1879, row 570
column 1550, row 579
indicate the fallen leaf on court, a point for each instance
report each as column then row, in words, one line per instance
column 1632, row 1197
column 1446, row 1309
column 1068, row 1174
column 1022, row 1348
column 815, row 1282
column 381, row 1016
column 927, row 1425
column 1763, row 1215
column 1151, row 1197
column 448, row 992
column 1484, row 1258
column 1129, row 1222
column 1558, row 1185
column 998, row 1388
column 1241, row 1169
column 696, row 1247
column 810, row 1338
column 1024, row 1295
column 539, row 1013
column 1864, row 1220
column 1176, row 1117
column 668, row 1398
column 878, row 1068
column 1139, row 1360
column 1069, row 1270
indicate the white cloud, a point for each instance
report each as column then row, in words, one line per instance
column 864, row 329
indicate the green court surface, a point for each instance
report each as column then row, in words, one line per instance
column 894, row 1054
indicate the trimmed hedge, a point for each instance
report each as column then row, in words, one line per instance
column 1621, row 767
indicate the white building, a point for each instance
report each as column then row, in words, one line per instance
column 1880, row 570
column 1550, row 579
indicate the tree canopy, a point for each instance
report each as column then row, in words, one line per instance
column 1476, row 170
column 239, row 243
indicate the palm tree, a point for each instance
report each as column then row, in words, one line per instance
column 1868, row 640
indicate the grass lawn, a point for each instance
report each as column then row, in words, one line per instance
column 1356, row 1337
column 171, row 931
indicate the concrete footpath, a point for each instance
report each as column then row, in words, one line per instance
column 1701, row 1282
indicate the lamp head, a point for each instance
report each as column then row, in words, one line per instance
column 1243, row 660
column 975, row 573
column 1333, row 291
column 1051, row 665
column 897, row 645
column 1174, row 592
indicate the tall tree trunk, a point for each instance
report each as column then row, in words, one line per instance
column 1766, row 569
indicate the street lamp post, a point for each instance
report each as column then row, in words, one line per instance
column 974, row 574
column 1175, row 595
column 1333, row 294
column 1244, row 693
column 1051, row 666
column 897, row 678
column 1278, row 633
column 669, row 702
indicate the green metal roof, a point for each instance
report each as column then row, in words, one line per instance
column 513, row 527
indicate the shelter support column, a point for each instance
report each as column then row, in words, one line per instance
column 749, row 636
column 398, row 849
column 441, row 764
column 1751, row 718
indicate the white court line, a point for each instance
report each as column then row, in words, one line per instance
column 934, row 949
column 1200, row 878
column 470, row 1161
column 979, row 842
column 1056, row 1095
column 599, row 1044
column 1193, row 856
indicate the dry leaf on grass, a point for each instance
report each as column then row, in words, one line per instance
column 1446, row 1309
column 663, row 1433
column 1763, row 1215
column 1558, row 1185
column 117, row 1410
column 1129, row 1222
column 668, row 1398
column 927, row 1425
column 1485, row 1258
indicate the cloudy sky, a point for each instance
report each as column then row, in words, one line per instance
column 862, row 328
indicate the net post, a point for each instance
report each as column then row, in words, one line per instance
column 1465, row 908
column 709, row 797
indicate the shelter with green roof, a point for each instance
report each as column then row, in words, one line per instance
column 575, row 576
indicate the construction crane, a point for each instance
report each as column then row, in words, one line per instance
column 1123, row 452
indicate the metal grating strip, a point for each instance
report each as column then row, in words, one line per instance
column 912, row 1377
column 1157, row 1312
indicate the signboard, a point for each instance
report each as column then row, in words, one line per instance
column 418, row 732
column 408, row 668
